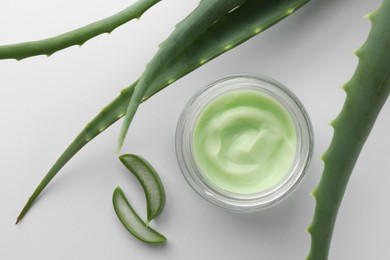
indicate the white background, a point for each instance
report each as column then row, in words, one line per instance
column 45, row 102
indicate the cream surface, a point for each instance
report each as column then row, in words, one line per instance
column 244, row 142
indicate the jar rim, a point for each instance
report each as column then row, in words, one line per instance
column 236, row 201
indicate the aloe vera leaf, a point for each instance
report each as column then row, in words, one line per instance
column 150, row 182
column 78, row 36
column 202, row 51
column 223, row 36
column 107, row 116
column 132, row 222
column 205, row 15
column 366, row 93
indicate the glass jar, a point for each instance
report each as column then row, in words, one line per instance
column 231, row 199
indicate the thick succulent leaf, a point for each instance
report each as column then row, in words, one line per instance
column 195, row 24
column 238, row 26
column 366, row 92
column 79, row 36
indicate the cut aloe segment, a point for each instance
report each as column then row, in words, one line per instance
column 132, row 222
column 150, row 182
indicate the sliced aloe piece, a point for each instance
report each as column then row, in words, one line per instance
column 132, row 222
column 150, row 182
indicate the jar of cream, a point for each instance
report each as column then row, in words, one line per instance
column 244, row 142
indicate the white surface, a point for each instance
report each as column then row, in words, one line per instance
column 44, row 103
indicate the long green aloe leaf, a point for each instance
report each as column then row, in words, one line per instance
column 76, row 37
column 196, row 23
column 252, row 18
column 366, row 92
column 229, row 32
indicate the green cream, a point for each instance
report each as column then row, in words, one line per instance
column 244, row 142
